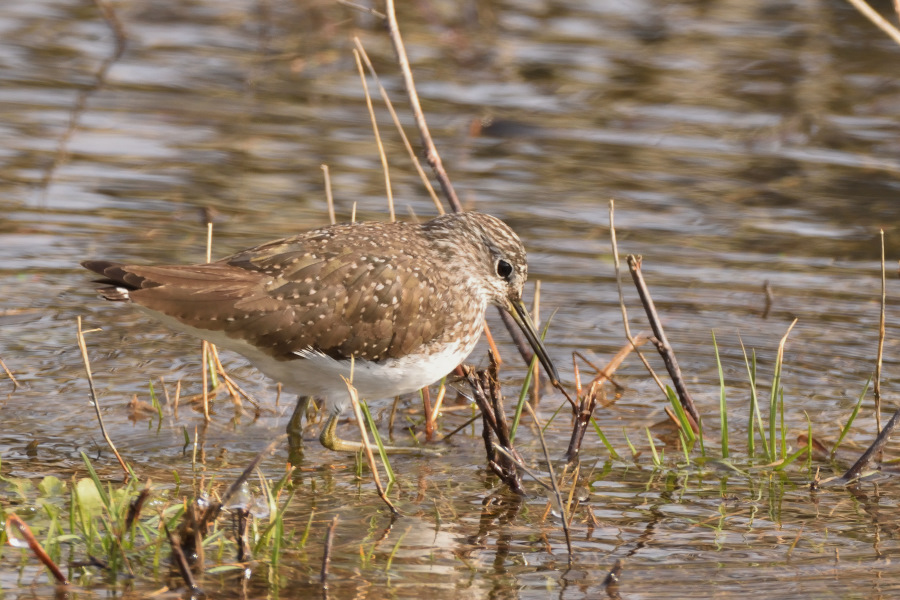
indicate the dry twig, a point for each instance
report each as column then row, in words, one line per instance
column 878, row 359
column 486, row 392
column 431, row 153
column 384, row 161
column 662, row 343
column 10, row 375
column 16, row 528
column 87, row 369
column 879, row 21
column 556, row 493
column 367, row 446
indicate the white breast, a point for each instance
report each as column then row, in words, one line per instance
column 315, row 374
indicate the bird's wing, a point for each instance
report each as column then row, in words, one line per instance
column 291, row 298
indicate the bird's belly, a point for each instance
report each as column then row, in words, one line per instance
column 321, row 376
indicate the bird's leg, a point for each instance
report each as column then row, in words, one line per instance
column 331, row 441
column 295, row 430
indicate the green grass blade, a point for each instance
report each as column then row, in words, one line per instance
column 306, row 531
column 684, row 448
column 273, row 526
column 612, row 451
column 679, row 412
column 755, row 414
column 213, row 372
column 523, row 394
column 784, row 463
column 384, row 457
column 776, row 394
column 700, row 436
column 630, row 445
column 656, row 460
column 783, row 429
column 390, row 560
column 553, row 416
column 809, row 440
column 846, row 428
column 773, row 410
column 723, row 412
column 154, row 401
column 523, row 397
column 104, row 497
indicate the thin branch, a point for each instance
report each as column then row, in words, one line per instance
column 556, row 493
column 879, row 21
column 329, row 198
column 87, row 369
column 381, row 153
column 9, row 374
column 662, row 345
column 181, row 560
column 23, row 531
column 634, row 343
column 434, row 160
column 361, row 8
column 406, row 143
column 326, row 552
column 878, row 360
column 431, row 153
column 367, row 446
column 876, row 447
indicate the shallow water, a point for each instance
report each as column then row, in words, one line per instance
column 743, row 143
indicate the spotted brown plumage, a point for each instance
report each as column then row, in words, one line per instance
column 406, row 302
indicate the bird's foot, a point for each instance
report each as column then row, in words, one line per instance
column 330, row 440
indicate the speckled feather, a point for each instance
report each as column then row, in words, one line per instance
column 373, row 291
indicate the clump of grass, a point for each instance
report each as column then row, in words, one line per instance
column 117, row 531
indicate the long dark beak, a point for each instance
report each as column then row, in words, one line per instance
column 519, row 313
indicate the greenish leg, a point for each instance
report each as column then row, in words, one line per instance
column 295, row 431
column 331, row 441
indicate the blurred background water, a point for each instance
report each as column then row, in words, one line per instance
column 743, row 143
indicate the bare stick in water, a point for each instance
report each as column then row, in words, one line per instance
column 23, row 531
column 367, row 446
column 326, row 552
column 10, row 375
column 381, row 153
column 553, row 483
column 406, row 144
column 628, row 336
column 431, row 153
column 878, row 359
column 876, row 447
column 662, row 345
column 87, row 369
column 879, row 21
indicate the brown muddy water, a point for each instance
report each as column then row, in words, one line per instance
column 742, row 142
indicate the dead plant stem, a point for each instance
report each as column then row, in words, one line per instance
column 878, row 360
column 87, row 369
column 431, row 153
column 406, row 143
column 876, row 19
column 384, row 161
column 628, row 336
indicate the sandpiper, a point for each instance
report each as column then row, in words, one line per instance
column 399, row 304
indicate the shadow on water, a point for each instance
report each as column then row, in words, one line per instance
column 744, row 143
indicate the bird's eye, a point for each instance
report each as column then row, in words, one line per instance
column 504, row 269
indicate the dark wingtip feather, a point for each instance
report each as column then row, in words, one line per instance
column 116, row 276
column 114, row 273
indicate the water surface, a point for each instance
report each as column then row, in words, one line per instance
column 743, row 143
